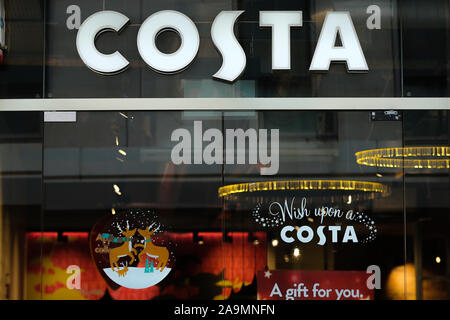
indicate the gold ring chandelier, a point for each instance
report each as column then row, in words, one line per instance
column 347, row 185
column 408, row 157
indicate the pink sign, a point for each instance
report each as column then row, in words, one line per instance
column 313, row 285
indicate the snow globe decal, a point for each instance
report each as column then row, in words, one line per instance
column 131, row 249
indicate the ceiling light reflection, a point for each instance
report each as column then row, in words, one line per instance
column 117, row 189
column 433, row 157
column 346, row 185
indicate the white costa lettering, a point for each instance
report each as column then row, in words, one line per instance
column 223, row 37
column 305, row 234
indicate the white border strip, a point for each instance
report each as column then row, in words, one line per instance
column 224, row 104
column 60, row 116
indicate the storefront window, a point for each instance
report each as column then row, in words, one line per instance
column 226, row 224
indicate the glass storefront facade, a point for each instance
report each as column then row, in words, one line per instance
column 125, row 194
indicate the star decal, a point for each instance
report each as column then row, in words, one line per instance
column 267, row 274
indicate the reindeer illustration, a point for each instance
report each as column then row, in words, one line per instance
column 126, row 249
column 151, row 250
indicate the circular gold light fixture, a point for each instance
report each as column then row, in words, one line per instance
column 407, row 157
column 347, row 185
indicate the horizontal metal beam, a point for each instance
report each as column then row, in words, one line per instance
column 172, row 104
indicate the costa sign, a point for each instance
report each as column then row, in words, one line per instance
column 234, row 58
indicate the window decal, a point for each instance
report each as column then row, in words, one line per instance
column 300, row 223
column 131, row 249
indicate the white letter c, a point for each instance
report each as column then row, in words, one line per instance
column 283, row 234
column 91, row 28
